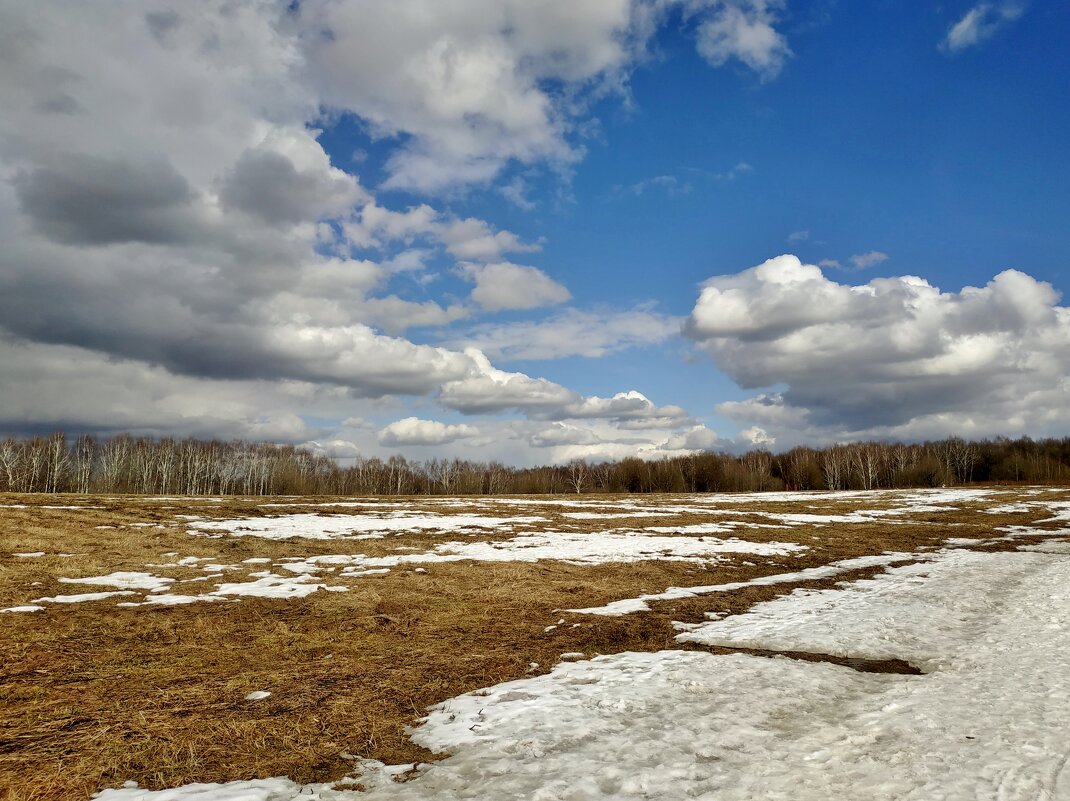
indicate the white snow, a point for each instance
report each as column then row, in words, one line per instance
column 627, row 606
column 568, row 546
column 1054, row 546
column 266, row 585
column 77, row 599
column 1009, row 508
column 29, row 555
column 172, row 600
column 610, row 515
column 908, row 612
column 275, row 587
column 125, row 580
column 1061, row 509
column 325, row 527
column 255, row 790
column 694, row 528
column 258, row 695
column 25, row 608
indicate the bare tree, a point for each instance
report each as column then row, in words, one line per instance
column 577, row 471
column 84, row 450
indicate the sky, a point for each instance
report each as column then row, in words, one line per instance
column 535, row 230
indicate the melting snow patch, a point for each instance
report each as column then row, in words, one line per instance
column 568, row 546
column 911, row 612
column 1056, row 546
column 258, row 695
column 77, row 599
column 30, row 555
column 173, row 600
column 125, row 581
column 26, row 608
column 273, row 586
column 610, row 515
column 642, row 603
column 327, row 527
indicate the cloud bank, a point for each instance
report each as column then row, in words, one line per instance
column 171, row 218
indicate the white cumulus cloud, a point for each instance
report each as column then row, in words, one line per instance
column 504, row 285
column 893, row 357
column 414, row 431
column 744, row 30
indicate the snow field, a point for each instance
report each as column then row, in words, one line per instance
column 989, row 721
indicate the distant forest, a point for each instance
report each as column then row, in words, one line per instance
column 126, row 464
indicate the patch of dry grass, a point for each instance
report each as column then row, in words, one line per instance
column 93, row 694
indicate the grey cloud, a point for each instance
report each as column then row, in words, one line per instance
column 50, row 387
column 59, row 103
column 266, row 184
column 92, row 200
column 161, row 23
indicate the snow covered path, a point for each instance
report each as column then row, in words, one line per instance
column 990, row 721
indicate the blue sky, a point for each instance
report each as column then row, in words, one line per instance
column 296, row 222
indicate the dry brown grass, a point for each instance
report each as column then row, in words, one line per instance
column 92, row 695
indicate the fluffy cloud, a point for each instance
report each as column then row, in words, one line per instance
column 465, row 80
column 633, row 409
column 477, row 84
column 486, row 389
column 573, row 332
column 503, row 285
column 340, row 449
column 414, row 431
column 743, row 29
column 981, row 23
column 563, row 442
column 894, row 357
column 696, row 438
column 474, row 239
column 562, row 434
column 465, row 238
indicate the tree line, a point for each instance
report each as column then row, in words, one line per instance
column 190, row 467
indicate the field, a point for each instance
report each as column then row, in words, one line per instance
column 168, row 641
